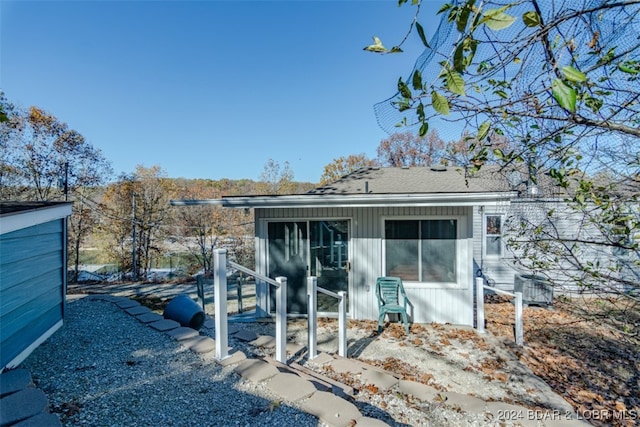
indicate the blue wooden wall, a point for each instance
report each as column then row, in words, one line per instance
column 31, row 285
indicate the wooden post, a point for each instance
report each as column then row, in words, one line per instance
column 312, row 318
column 342, row 324
column 220, row 295
column 281, row 320
column 480, row 305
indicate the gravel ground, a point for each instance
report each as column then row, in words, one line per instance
column 104, row 368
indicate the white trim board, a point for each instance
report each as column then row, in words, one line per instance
column 27, row 351
column 29, row 218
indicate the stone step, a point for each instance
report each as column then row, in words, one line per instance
column 14, row 380
column 199, row 344
column 182, row 333
column 21, row 405
column 127, row 303
column 336, row 387
column 332, row 410
column 40, row 420
column 381, row 380
column 290, row 368
column 255, row 370
column 137, row 310
column 290, row 386
column 164, row 325
column 235, row 357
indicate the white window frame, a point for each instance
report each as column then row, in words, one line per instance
column 460, row 242
column 486, row 235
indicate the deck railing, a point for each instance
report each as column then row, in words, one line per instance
column 312, row 320
column 220, row 299
column 519, row 328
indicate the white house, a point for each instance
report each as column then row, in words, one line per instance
column 416, row 223
column 436, row 228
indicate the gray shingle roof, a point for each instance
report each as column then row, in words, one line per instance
column 416, row 180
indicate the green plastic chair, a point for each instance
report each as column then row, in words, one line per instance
column 391, row 299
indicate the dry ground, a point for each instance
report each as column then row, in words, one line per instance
column 579, row 348
column 583, row 351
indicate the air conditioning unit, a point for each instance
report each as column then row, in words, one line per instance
column 536, row 290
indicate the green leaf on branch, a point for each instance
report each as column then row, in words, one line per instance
column 629, row 67
column 462, row 16
column 440, row 103
column 531, row 19
column 377, row 46
column 424, row 128
column 444, row 8
column 402, row 105
column 420, row 112
column 420, row 31
column 404, row 90
column 458, row 58
column 497, row 20
column 594, row 103
column 460, row 61
column 483, row 130
column 417, row 80
column 573, row 75
column 565, row 95
column 502, row 94
column 453, row 81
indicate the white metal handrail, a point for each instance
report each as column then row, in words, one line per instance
column 253, row 273
column 480, row 287
column 312, row 319
column 220, row 297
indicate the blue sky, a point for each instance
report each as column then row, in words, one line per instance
column 210, row 89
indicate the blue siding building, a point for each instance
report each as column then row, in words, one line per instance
column 33, row 275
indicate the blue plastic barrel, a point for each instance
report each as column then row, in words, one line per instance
column 185, row 311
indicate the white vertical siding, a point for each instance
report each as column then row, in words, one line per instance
column 431, row 303
column 497, row 269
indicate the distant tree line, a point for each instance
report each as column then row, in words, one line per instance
column 129, row 219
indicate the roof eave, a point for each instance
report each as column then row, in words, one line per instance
column 353, row 200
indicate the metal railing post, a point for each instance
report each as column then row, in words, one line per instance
column 281, row 320
column 519, row 327
column 220, row 295
column 312, row 319
column 342, row 324
column 480, row 305
column 239, row 292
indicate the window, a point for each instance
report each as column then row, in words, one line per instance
column 493, row 235
column 421, row 250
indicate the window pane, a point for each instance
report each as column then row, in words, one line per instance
column 401, row 250
column 493, row 235
column 494, row 224
column 439, row 250
column 494, row 245
column 329, row 243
